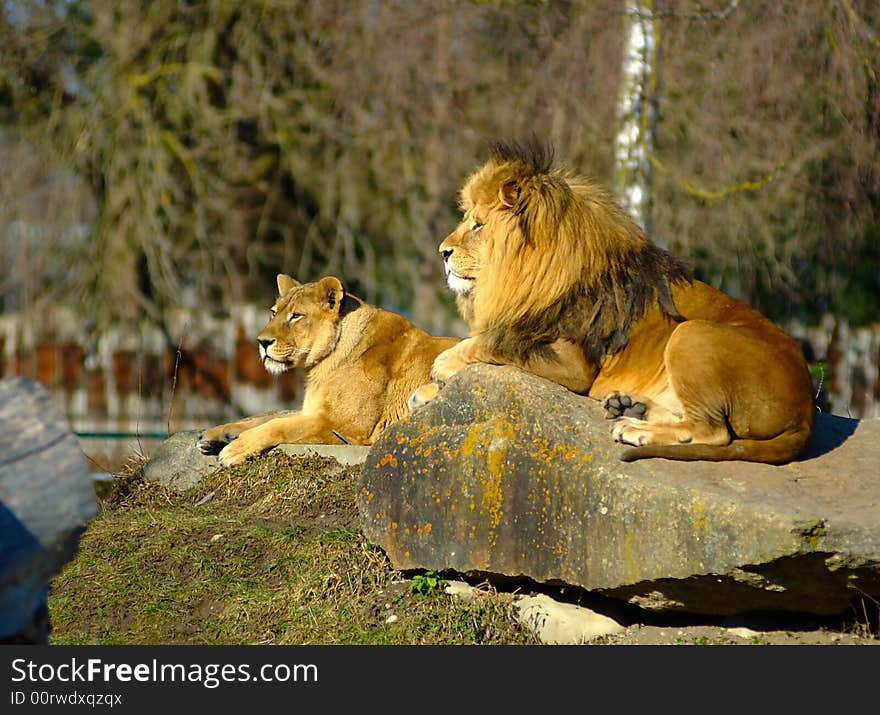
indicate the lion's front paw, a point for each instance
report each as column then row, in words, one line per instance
column 422, row 395
column 446, row 364
column 619, row 404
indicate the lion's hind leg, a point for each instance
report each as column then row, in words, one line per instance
column 636, row 432
column 640, row 421
column 721, row 376
column 698, row 382
column 619, row 404
column 661, row 419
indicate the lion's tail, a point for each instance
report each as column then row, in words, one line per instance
column 777, row 450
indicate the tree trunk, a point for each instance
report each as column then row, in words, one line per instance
column 636, row 110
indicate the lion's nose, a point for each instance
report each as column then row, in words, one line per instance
column 265, row 342
column 446, row 253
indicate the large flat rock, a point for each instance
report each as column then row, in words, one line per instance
column 506, row 473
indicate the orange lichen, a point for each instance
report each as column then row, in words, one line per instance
column 388, row 459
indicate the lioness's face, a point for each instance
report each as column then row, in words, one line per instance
column 464, row 251
column 303, row 325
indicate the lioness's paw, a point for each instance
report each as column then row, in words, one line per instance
column 422, row 395
column 211, row 441
column 250, row 442
column 619, row 404
column 233, row 453
column 212, row 445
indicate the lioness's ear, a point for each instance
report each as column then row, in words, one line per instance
column 286, row 283
column 509, row 193
column 333, row 292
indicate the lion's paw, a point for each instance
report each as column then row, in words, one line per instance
column 422, row 395
column 446, row 364
column 619, row 404
column 632, row 431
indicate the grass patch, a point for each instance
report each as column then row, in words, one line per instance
column 267, row 552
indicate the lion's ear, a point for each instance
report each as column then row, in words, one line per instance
column 332, row 291
column 286, row 284
column 509, row 193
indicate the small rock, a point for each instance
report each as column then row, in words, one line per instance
column 462, row 590
column 558, row 623
column 205, row 499
column 177, row 462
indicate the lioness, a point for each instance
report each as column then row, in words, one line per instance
column 360, row 364
column 551, row 275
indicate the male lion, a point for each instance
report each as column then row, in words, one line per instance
column 552, row 276
column 360, row 364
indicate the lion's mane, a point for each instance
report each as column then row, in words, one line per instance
column 564, row 260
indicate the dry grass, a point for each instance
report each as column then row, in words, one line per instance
column 266, row 552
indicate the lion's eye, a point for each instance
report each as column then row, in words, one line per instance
column 293, row 317
column 272, row 312
column 476, row 226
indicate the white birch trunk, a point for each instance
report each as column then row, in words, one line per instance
column 633, row 143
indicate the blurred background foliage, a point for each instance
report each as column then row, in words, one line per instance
column 157, row 155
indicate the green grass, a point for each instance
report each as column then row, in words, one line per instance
column 274, row 557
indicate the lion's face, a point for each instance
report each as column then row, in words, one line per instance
column 304, row 325
column 536, row 240
column 465, row 251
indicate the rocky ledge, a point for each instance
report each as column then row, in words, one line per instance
column 505, row 473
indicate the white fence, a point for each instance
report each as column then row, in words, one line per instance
column 137, row 380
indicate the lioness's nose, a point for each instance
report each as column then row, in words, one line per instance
column 265, row 342
column 446, row 253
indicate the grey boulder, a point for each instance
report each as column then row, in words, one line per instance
column 505, row 473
